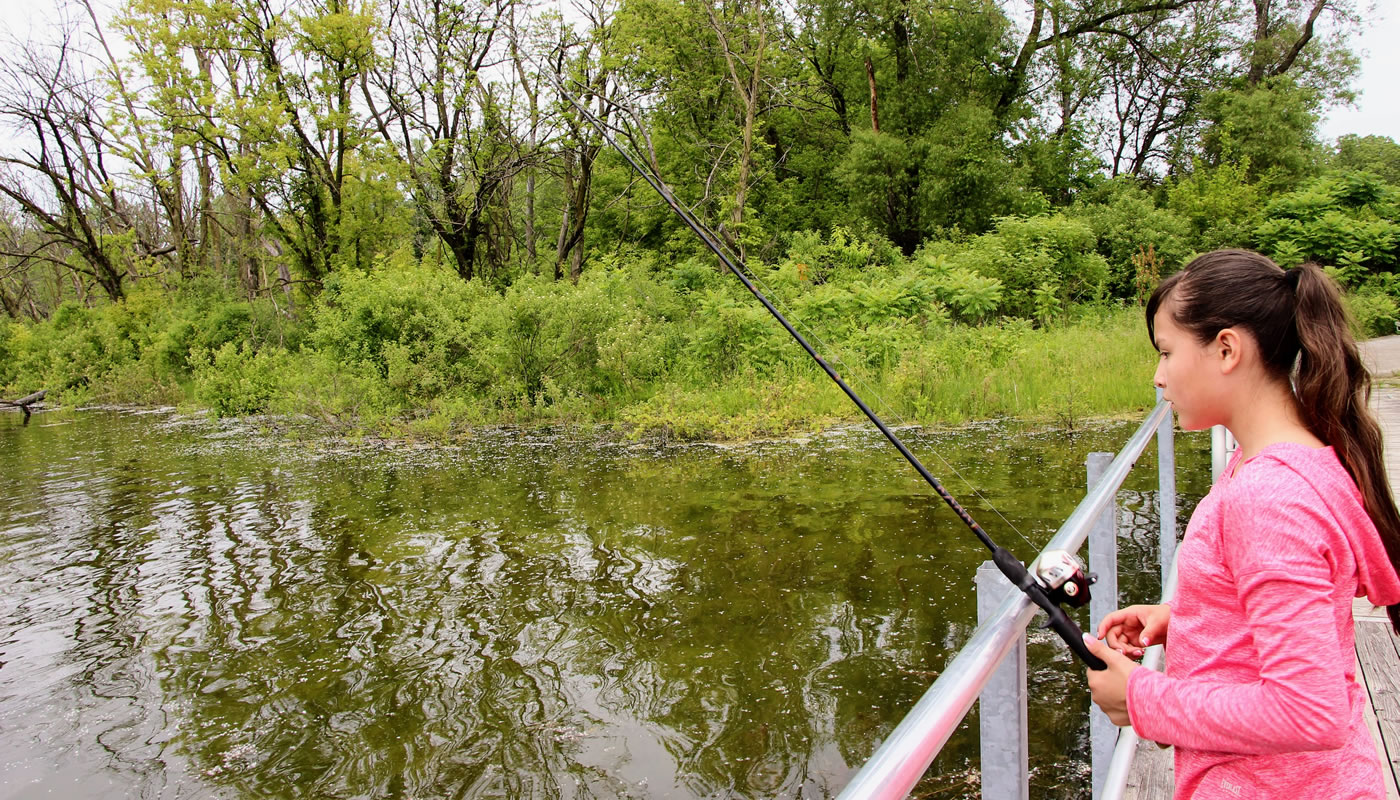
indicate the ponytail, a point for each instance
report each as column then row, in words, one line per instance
column 1333, row 389
column 1304, row 337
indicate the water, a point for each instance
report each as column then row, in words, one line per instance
column 191, row 608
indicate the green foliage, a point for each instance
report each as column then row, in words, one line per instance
column 839, row 254
column 1219, row 203
column 1268, row 129
column 1126, row 222
column 968, row 177
column 1043, row 263
column 971, row 296
column 236, row 380
column 1338, row 219
column 1059, row 372
column 407, row 324
column 1373, row 313
column 880, row 173
column 1378, row 155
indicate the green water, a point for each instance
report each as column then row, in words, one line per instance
column 200, row 609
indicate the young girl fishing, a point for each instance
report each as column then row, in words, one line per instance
column 1260, row 696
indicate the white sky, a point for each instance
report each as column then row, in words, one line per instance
column 1377, row 110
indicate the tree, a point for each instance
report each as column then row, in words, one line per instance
column 453, row 130
column 1269, row 129
column 699, row 74
column 1285, row 39
column 266, row 90
column 1128, row 21
column 585, row 59
column 1157, row 83
column 60, row 176
column 1376, row 154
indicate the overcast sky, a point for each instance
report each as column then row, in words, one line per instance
column 1377, row 110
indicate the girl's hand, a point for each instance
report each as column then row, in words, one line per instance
column 1109, row 687
column 1130, row 630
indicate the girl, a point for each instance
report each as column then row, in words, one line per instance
column 1260, row 696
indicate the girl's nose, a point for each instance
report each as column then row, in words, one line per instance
column 1158, row 379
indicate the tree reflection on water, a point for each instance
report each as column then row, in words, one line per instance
column 528, row 615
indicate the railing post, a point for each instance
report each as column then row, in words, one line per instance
column 1103, row 562
column 1166, row 493
column 1222, row 445
column 1004, row 722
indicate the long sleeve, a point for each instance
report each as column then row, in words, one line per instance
column 1284, row 686
column 1299, row 701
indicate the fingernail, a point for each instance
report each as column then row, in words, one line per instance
column 1146, row 640
column 1089, row 639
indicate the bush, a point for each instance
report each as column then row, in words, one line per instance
column 410, row 325
column 1042, row 263
column 1372, row 314
column 1339, row 217
column 1378, row 155
column 839, row 254
column 1220, row 205
column 968, row 178
column 236, row 380
column 1126, row 222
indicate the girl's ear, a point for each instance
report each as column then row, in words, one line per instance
column 1228, row 349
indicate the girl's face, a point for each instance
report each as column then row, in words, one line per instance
column 1188, row 373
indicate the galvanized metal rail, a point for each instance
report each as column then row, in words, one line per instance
column 902, row 759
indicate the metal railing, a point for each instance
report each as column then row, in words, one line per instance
column 902, row 759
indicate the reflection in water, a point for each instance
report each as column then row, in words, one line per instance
column 196, row 610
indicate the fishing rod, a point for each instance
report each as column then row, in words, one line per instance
column 1056, row 578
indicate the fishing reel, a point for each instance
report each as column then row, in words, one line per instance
column 1061, row 574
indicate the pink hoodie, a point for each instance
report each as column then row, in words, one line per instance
column 1260, row 696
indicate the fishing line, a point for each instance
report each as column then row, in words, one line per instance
column 886, row 408
column 1059, row 576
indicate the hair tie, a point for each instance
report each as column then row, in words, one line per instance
column 1291, row 277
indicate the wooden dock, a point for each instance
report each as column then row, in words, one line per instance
column 1377, row 647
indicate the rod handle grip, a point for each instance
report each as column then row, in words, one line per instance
column 1057, row 620
column 1061, row 624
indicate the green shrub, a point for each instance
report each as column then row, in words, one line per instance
column 411, row 325
column 1373, row 314
column 1043, row 264
column 236, row 380
column 9, row 332
column 1219, row 203
column 1378, row 155
column 971, row 296
column 839, row 254
column 1335, row 218
column 1126, row 222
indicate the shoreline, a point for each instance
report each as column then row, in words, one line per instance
column 601, row 432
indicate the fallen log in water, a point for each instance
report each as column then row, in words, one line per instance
column 25, row 402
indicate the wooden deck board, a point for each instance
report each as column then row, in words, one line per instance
column 1392, row 790
column 1151, row 777
column 1380, row 670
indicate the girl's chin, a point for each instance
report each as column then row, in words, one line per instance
column 1188, row 424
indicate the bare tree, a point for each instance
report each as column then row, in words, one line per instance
column 453, row 129
column 60, row 176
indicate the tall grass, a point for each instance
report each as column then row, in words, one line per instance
column 411, row 350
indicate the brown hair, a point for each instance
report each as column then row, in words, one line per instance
column 1297, row 318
